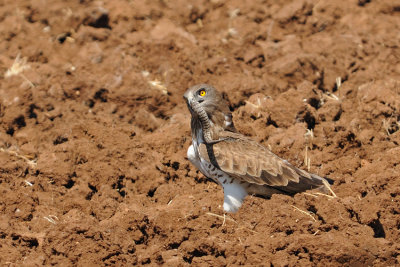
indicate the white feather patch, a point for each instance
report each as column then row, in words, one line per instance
column 228, row 121
column 194, row 158
column 234, row 195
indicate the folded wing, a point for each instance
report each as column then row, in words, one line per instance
column 251, row 162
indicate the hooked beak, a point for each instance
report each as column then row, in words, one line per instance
column 188, row 97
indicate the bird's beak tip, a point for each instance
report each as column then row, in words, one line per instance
column 187, row 98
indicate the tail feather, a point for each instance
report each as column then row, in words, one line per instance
column 330, row 181
column 316, row 182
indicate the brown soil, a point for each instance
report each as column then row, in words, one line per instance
column 94, row 131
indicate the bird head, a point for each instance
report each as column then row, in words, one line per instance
column 205, row 98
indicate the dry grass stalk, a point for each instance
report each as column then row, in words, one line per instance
column 224, row 218
column 386, row 126
column 31, row 163
column 338, row 84
column 234, row 13
column 304, row 212
column 309, row 136
column 231, row 31
column 331, row 96
column 19, row 65
column 316, row 194
column 51, row 218
column 256, row 106
column 158, row 85
column 327, row 185
column 28, row 183
column 307, row 159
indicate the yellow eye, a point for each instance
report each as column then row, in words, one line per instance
column 202, row 92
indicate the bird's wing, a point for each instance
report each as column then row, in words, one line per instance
column 249, row 161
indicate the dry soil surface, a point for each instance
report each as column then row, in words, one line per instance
column 94, row 130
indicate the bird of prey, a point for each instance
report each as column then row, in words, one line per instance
column 241, row 165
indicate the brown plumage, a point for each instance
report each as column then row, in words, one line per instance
column 241, row 165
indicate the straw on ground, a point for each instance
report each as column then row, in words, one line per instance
column 31, row 162
column 19, row 65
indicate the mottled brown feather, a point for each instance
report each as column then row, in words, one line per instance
column 249, row 161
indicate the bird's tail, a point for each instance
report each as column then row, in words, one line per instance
column 330, row 181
